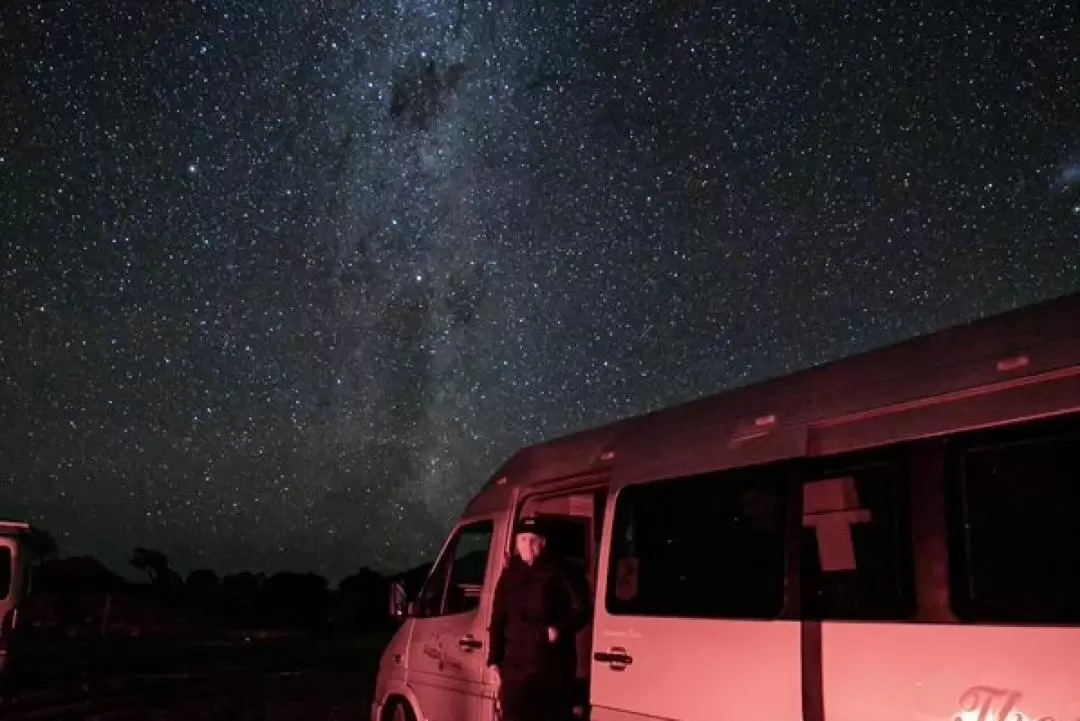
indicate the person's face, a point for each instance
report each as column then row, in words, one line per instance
column 529, row 546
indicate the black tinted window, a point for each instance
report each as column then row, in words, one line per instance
column 568, row 539
column 456, row 582
column 1018, row 497
column 708, row 546
column 856, row 561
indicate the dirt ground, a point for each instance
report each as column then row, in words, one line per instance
column 298, row 680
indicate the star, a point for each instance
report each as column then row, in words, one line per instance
column 282, row 288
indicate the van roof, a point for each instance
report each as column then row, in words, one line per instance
column 803, row 412
column 12, row 528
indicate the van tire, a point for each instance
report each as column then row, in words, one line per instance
column 398, row 710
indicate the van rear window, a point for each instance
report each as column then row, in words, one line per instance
column 708, row 546
column 1016, row 511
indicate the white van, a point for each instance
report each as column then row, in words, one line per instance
column 892, row 537
column 17, row 554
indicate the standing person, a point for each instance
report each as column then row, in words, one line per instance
column 537, row 613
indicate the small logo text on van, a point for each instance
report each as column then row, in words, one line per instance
column 992, row 703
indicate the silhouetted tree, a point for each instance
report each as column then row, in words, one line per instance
column 241, row 595
column 297, row 598
column 365, row 593
column 202, row 581
column 155, row 565
column 243, row 583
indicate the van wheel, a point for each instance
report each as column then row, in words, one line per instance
column 400, row 711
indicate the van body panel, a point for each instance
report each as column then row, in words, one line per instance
column 447, row 654
column 1052, row 393
column 392, row 678
column 937, row 672
column 447, row 681
column 696, row 669
column 395, row 690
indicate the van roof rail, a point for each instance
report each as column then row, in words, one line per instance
column 9, row 526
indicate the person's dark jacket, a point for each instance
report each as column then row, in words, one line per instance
column 528, row 600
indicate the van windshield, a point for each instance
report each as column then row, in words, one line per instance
column 5, row 572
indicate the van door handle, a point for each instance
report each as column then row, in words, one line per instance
column 468, row 643
column 615, row 657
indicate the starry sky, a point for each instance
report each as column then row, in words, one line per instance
column 283, row 282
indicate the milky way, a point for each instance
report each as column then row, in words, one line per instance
column 284, row 281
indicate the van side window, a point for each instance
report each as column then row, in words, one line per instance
column 708, row 546
column 856, row 544
column 457, row 580
column 1016, row 503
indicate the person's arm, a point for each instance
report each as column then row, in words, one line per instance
column 497, row 630
column 575, row 608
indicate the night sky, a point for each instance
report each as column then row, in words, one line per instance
column 283, row 282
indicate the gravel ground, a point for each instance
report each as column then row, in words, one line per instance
column 305, row 681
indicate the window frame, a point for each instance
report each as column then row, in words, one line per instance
column 788, row 478
column 446, row 560
column 896, row 458
column 781, row 476
column 963, row 601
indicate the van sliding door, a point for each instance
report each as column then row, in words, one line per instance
column 690, row 594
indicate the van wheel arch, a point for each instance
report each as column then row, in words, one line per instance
column 398, row 709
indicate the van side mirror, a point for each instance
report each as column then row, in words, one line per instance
column 400, row 607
